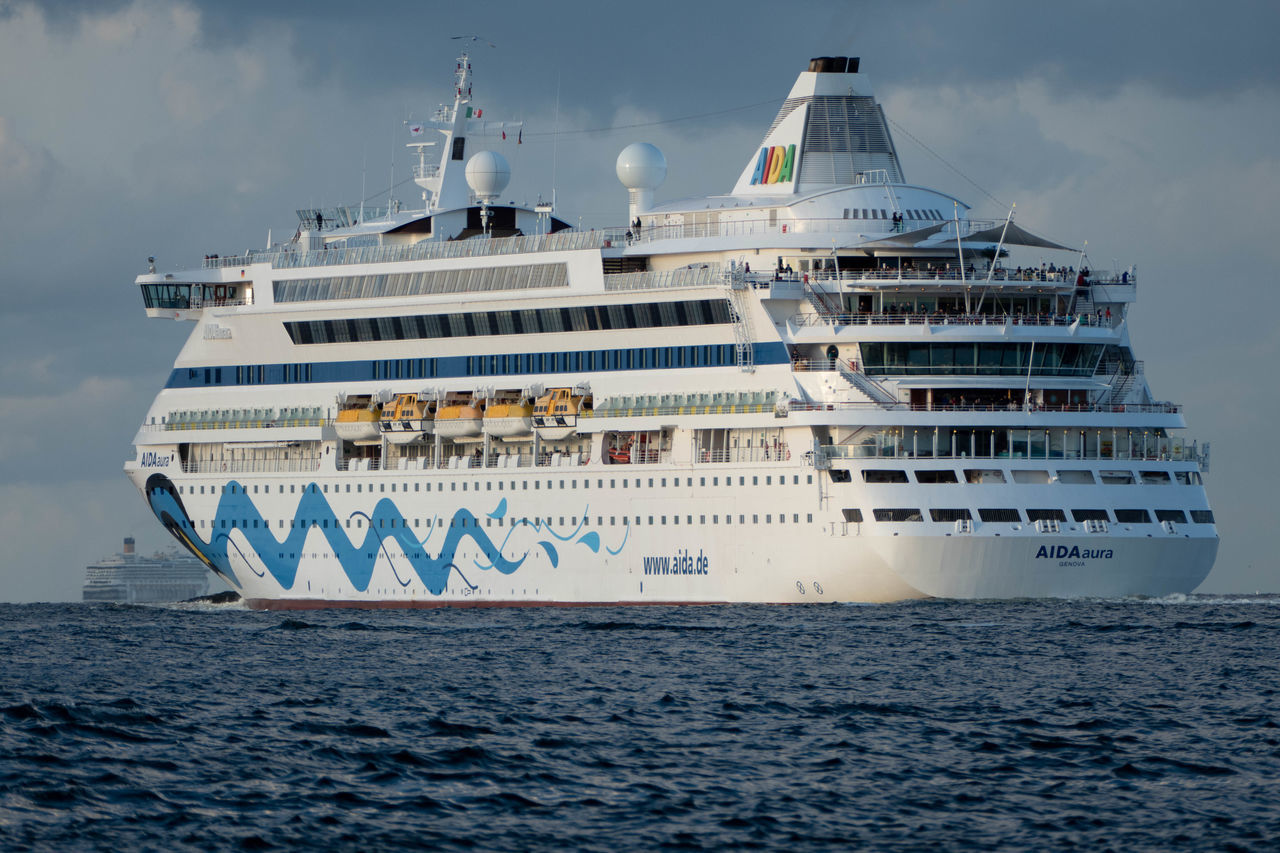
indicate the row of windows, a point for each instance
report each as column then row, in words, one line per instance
column 570, row 521
column 988, row 476
column 613, row 520
column 498, row 485
column 449, row 367
column 1012, row 515
column 474, row 280
column 881, row 213
column 987, row 359
column 532, row 321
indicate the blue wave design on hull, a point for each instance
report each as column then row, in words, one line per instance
column 281, row 557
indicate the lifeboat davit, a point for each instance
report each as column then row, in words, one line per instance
column 556, row 413
column 406, row 419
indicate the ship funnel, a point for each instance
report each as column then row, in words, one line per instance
column 128, row 545
column 641, row 168
column 829, row 133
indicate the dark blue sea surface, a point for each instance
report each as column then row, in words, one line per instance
column 1124, row 725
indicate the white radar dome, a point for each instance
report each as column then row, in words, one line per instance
column 641, row 166
column 488, row 174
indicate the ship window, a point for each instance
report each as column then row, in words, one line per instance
column 1188, row 478
column 878, row 475
column 1116, row 478
column 853, row 515
column 1202, row 516
column 1034, row 515
column 1089, row 515
column 1175, row 515
column 960, row 514
column 897, row 514
column 840, row 475
column 1073, row 477
column 1132, row 516
column 1036, row 477
column 936, row 475
column 999, row 514
column 983, row 475
column 1155, row 477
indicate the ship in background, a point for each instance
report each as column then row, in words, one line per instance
column 828, row 384
column 130, row 578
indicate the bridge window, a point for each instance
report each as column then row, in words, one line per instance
column 1132, row 516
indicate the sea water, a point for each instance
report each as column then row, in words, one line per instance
column 1137, row 724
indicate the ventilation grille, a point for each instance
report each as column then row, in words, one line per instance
column 844, row 135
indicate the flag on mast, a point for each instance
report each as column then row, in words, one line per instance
column 416, row 130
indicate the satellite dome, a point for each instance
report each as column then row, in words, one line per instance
column 488, row 174
column 641, row 166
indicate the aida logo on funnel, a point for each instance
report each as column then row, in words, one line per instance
column 775, row 165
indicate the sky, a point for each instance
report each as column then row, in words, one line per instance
column 131, row 128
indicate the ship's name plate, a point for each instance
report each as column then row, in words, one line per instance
column 214, row 332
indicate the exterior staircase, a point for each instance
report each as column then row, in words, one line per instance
column 874, row 390
column 739, row 311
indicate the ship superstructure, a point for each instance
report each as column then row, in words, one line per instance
column 827, row 385
column 130, row 578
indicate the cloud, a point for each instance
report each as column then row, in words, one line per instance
column 26, row 169
column 138, row 127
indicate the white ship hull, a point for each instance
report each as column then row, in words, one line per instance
column 579, row 543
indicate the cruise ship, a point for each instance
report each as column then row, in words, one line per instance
column 130, row 578
column 826, row 385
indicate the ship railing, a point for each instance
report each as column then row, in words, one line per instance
column 700, row 275
column 648, row 233
column 975, row 278
column 628, row 410
column 776, row 452
column 275, row 423
column 942, row 319
column 290, row 258
column 811, row 365
column 252, row 466
column 428, row 462
column 1118, row 409
column 1098, row 447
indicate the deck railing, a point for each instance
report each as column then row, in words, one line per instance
column 285, row 258
column 252, row 466
column 1096, row 445
column 942, row 319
